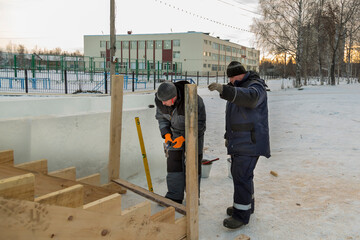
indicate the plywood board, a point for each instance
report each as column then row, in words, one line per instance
column 37, row 166
column 18, row 187
column 39, row 221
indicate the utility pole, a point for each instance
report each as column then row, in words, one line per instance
column 112, row 40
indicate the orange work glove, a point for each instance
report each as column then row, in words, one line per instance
column 168, row 138
column 178, row 142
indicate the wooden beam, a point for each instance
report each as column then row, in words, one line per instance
column 166, row 215
column 110, row 205
column 93, row 179
column 38, row 221
column 117, row 83
column 46, row 184
column 18, row 187
column 116, row 188
column 37, row 166
column 152, row 196
column 66, row 173
column 7, row 157
column 191, row 146
column 69, row 197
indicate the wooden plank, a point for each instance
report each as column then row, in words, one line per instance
column 66, row 173
column 37, row 166
column 116, row 188
column 7, row 157
column 69, row 197
column 93, row 179
column 152, row 196
column 18, row 187
column 110, row 205
column 41, row 222
column 191, row 146
column 46, row 184
column 117, row 84
column 166, row 215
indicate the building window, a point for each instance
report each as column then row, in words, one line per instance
column 150, row 44
column 103, row 54
column 141, row 44
column 125, row 45
column 133, row 44
column 228, row 49
column 204, row 66
column 205, row 41
column 102, row 44
column 167, row 44
column 176, row 43
column 158, row 44
column 176, row 54
column 215, row 46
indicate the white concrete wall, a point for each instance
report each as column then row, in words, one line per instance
column 74, row 131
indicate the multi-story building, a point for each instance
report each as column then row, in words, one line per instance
column 190, row 51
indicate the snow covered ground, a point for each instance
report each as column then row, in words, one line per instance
column 315, row 148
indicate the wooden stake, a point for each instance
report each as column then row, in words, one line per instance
column 191, row 145
column 115, row 126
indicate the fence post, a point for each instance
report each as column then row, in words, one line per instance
column 26, row 82
column 224, row 77
column 106, row 89
column 217, row 75
column 197, row 78
column 208, row 77
column 133, row 80
column 15, row 65
column 185, row 75
column 65, row 81
column 154, row 79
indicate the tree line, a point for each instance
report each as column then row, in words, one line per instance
column 21, row 49
column 310, row 37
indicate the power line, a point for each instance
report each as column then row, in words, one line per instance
column 239, row 7
column 202, row 17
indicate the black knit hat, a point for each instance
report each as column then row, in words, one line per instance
column 235, row 68
column 166, row 91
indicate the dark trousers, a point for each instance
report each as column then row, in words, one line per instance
column 175, row 178
column 242, row 170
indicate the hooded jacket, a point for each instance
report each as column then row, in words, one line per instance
column 172, row 119
column 247, row 128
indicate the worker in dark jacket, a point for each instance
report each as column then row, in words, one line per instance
column 246, row 136
column 170, row 113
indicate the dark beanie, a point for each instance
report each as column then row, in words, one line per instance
column 235, row 68
column 166, row 91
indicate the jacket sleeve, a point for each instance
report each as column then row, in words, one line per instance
column 164, row 124
column 249, row 97
column 201, row 117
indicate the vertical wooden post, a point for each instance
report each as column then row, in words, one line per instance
column 115, row 126
column 191, row 145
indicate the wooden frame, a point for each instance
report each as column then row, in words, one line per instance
column 37, row 204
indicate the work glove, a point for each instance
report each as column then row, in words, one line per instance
column 178, row 142
column 168, row 138
column 216, row 86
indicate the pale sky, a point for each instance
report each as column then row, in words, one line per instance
column 53, row 23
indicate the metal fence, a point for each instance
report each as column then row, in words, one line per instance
column 32, row 73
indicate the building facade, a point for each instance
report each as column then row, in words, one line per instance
column 187, row 52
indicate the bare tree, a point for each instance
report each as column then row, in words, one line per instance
column 339, row 13
column 280, row 30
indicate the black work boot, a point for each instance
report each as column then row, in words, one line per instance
column 232, row 223
column 229, row 211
